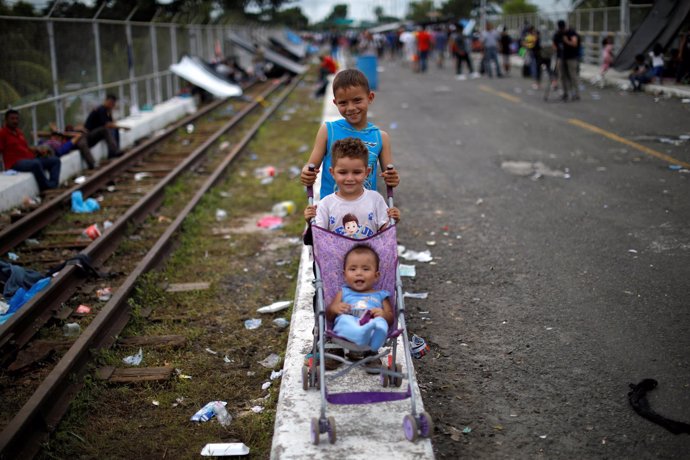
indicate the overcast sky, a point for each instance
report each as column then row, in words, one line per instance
column 316, row 10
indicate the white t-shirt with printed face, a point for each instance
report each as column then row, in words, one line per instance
column 359, row 218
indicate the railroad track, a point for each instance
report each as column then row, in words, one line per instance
column 43, row 409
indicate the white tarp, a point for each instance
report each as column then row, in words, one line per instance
column 194, row 73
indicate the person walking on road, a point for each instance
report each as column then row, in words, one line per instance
column 423, row 47
column 458, row 46
column 490, row 39
column 566, row 42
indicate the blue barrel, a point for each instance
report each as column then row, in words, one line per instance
column 367, row 64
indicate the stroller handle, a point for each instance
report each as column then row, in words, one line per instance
column 389, row 189
column 310, row 188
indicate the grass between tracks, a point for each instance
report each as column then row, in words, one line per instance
column 247, row 268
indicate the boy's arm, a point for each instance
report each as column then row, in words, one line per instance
column 308, row 177
column 390, row 176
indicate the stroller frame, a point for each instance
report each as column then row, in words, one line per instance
column 314, row 375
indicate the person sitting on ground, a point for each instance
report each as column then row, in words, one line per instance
column 657, row 57
column 358, row 300
column 100, row 125
column 641, row 73
column 17, row 154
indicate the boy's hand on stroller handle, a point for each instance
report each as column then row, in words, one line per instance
column 390, row 176
column 308, row 175
column 310, row 212
column 394, row 213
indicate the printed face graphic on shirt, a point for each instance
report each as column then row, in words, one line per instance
column 351, row 225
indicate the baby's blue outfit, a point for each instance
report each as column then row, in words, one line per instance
column 374, row 332
column 340, row 129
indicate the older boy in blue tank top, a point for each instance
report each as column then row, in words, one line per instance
column 352, row 96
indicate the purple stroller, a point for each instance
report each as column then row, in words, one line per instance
column 329, row 250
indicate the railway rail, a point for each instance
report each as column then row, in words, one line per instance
column 42, row 411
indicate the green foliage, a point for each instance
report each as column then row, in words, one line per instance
column 457, row 8
column 419, row 11
column 291, row 17
column 518, row 7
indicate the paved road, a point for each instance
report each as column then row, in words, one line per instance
column 550, row 295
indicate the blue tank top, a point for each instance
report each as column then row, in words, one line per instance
column 340, row 129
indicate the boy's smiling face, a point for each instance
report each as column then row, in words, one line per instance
column 349, row 175
column 353, row 104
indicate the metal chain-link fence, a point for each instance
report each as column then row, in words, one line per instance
column 57, row 69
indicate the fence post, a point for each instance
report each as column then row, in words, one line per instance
column 625, row 18
column 173, row 55
column 59, row 114
column 97, row 47
column 154, row 56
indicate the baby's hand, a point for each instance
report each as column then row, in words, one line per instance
column 394, row 213
column 310, row 213
column 390, row 177
column 341, row 308
column 376, row 312
column 308, row 177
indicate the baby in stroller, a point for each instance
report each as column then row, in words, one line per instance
column 359, row 312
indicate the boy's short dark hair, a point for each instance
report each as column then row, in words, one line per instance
column 362, row 249
column 350, row 147
column 111, row 97
column 561, row 24
column 350, row 78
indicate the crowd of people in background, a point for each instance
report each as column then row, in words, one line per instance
column 558, row 56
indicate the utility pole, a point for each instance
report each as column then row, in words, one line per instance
column 625, row 18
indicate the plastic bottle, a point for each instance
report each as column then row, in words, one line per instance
column 224, row 418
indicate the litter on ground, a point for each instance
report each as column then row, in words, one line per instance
column 275, row 307
column 407, row 270
column 416, row 295
column 271, row 361
column 134, row 360
column 224, row 449
column 252, row 323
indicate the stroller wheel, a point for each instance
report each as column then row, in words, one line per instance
column 314, row 431
column 305, row 378
column 397, row 381
column 384, row 377
column 426, row 425
column 409, row 427
column 331, row 430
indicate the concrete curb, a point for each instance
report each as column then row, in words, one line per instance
column 364, row 431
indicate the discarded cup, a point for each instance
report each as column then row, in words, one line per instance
column 418, row 347
column 189, row 128
column 92, row 232
column 71, row 329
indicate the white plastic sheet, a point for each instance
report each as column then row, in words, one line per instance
column 191, row 71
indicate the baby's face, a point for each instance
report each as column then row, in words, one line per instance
column 361, row 272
